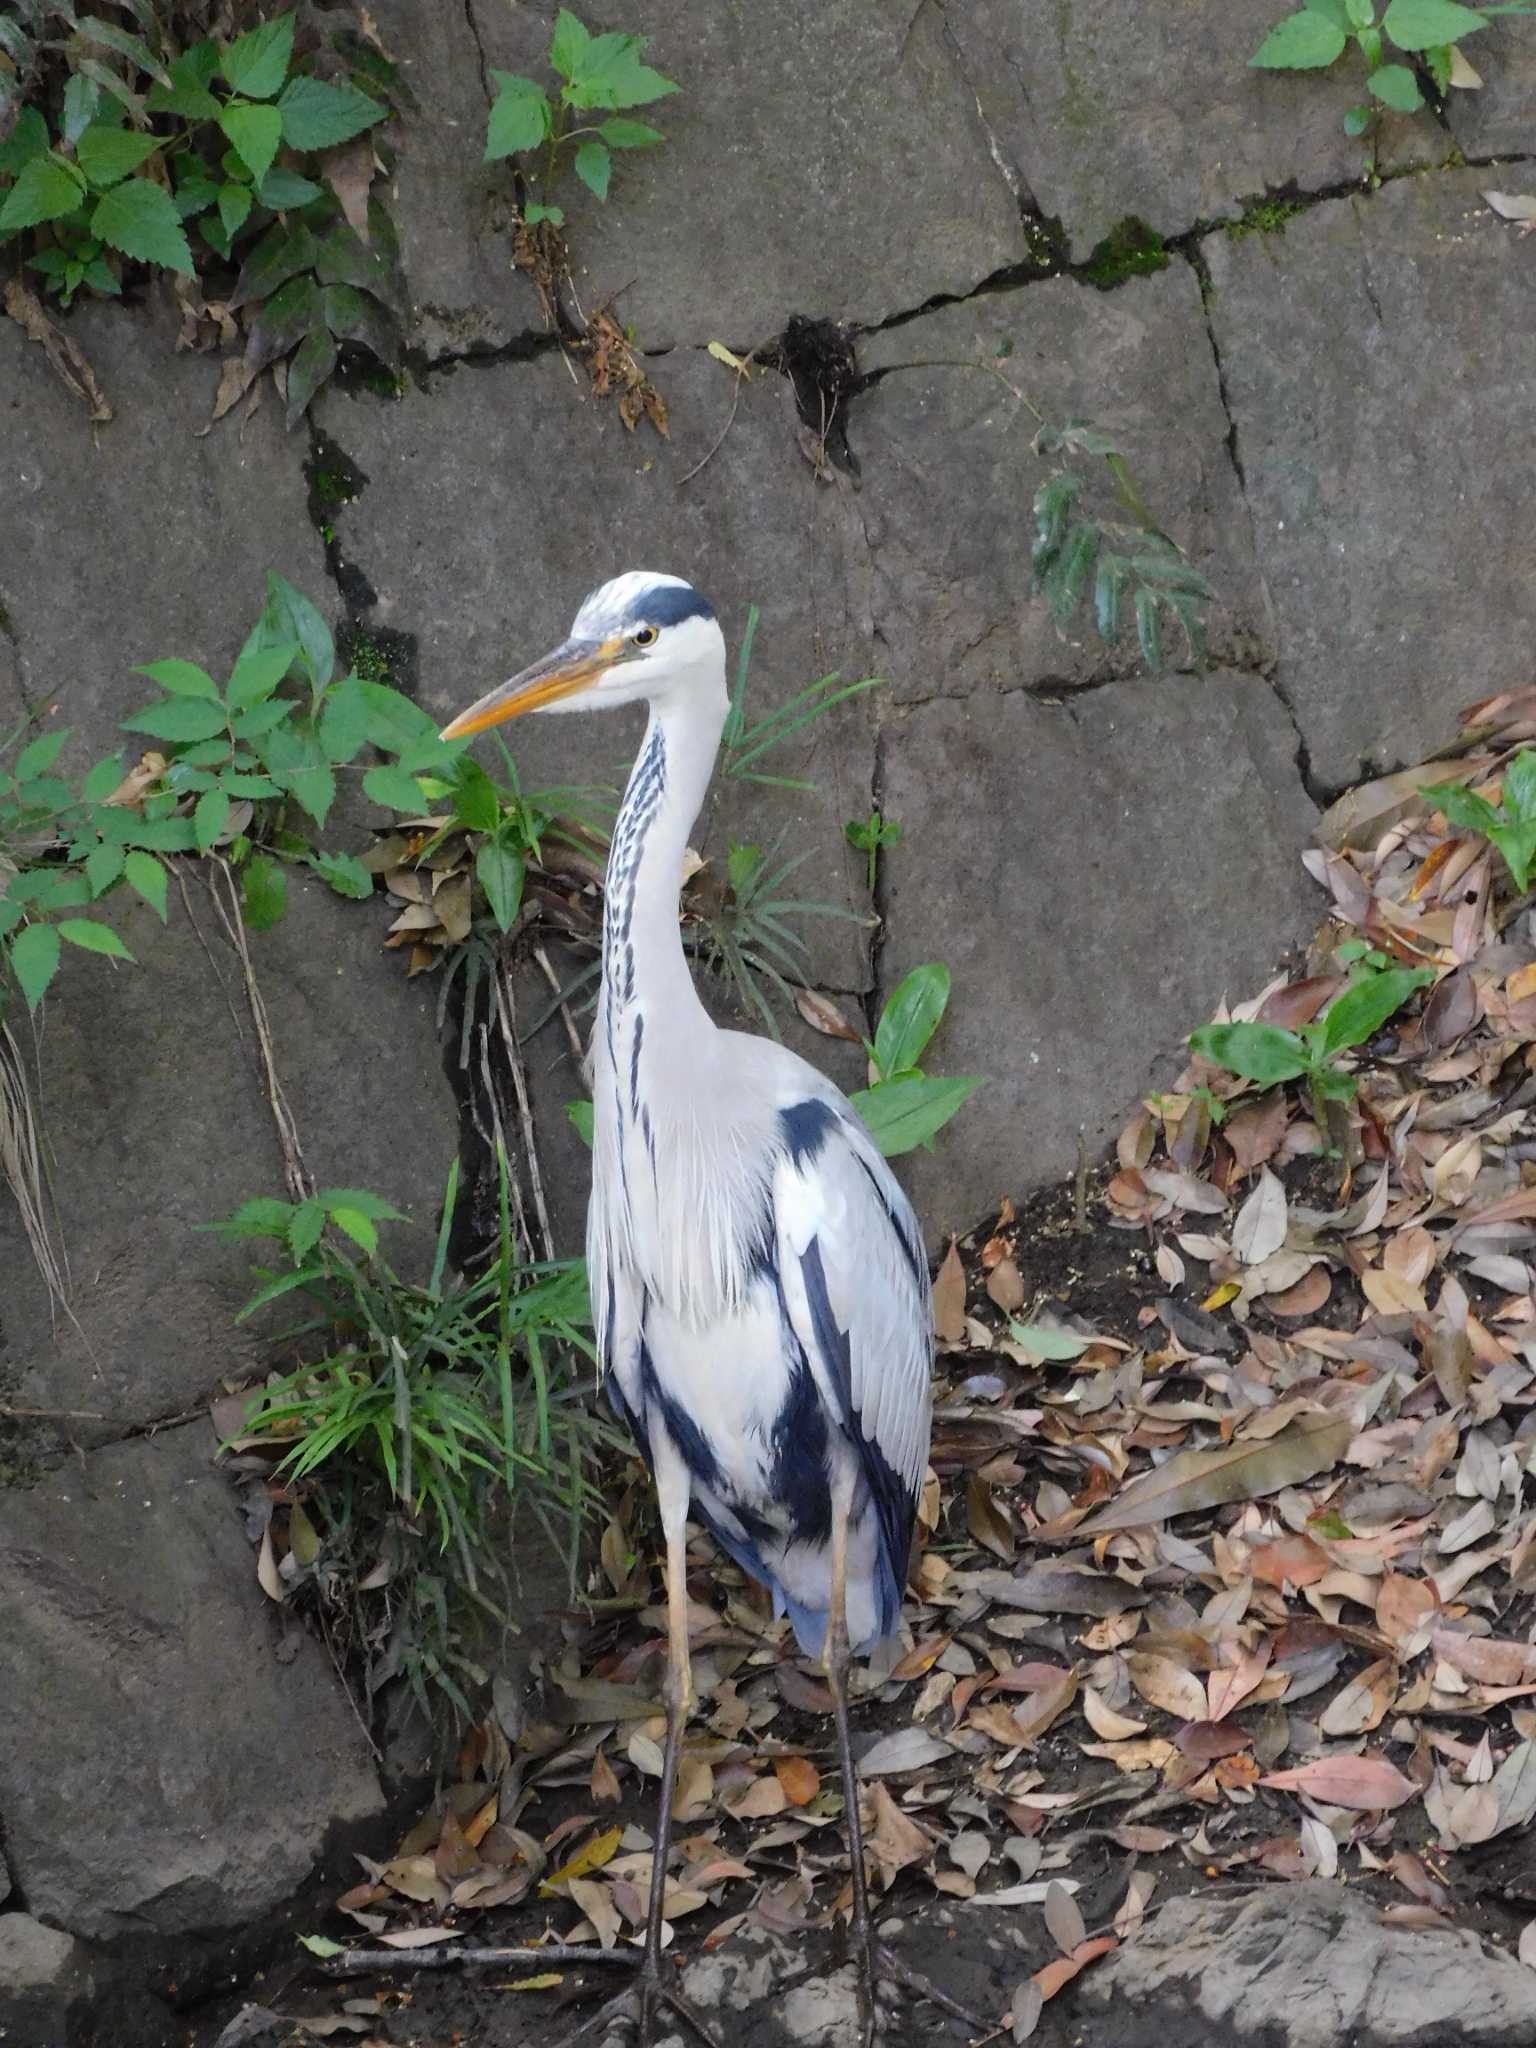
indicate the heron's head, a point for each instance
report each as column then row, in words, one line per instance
column 642, row 635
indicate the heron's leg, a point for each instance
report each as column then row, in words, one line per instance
column 634, row 2012
column 876, row 1964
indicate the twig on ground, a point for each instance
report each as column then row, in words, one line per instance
column 358, row 1962
column 300, row 1185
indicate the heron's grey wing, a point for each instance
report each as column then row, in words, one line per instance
column 854, row 1278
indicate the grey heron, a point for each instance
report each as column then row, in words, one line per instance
column 759, row 1284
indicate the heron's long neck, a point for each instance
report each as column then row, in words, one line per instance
column 645, row 970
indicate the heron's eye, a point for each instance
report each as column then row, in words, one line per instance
column 643, row 636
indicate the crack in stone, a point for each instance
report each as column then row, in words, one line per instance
column 474, row 31
column 12, row 639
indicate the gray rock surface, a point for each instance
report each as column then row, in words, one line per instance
column 1108, row 108
column 153, row 1101
column 501, row 495
column 46, row 1979
column 170, row 1758
column 1098, row 874
column 1368, row 353
column 137, row 539
column 1311, row 1966
column 949, row 476
column 449, row 205
column 1496, row 120
column 764, row 200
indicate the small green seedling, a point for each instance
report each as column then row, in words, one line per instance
column 1269, row 1054
column 1319, row 33
column 1510, row 824
column 1123, row 569
column 600, row 75
column 869, row 835
column 904, row 1107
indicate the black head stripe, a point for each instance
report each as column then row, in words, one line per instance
column 668, row 604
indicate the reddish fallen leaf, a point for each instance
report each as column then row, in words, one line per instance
column 1403, row 1604
column 1245, row 1470
column 1488, row 1659
column 823, row 1015
column 1365, row 1784
column 1229, row 1685
column 1290, row 1560
column 799, row 1777
column 1051, row 1979
column 1210, row 1739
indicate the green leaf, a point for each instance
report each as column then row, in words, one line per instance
column 1519, row 785
column 1302, row 42
column 263, row 892
column 107, row 154
column 103, row 778
column 1361, row 1010
column 621, row 134
column 178, row 718
column 234, row 206
column 297, row 763
column 304, row 1227
column 210, row 817
column 394, row 722
column 1359, row 13
column 186, row 94
column 520, row 116
column 28, row 139
column 902, row 1114
column 1357, row 120
column 283, row 251
column 392, row 787
column 476, row 802
column 593, row 166
column 1149, row 628
column 1331, row 10
column 313, row 361
column 581, row 1115
column 1420, row 24
column 45, row 190
column 288, row 618
column 99, row 31
column 569, row 44
column 255, row 133
column 261, row 1216
column 141, row 220
column 1259, row 1052
column 34, row 958
column 500, row 873
column 321, row 1945
column 345, row 873
column 259, row 670
column 353, row 315
column 94, row 936
column 256, row 64
column 609, row 73
column 103, row 865
column 316, row 115
column 1396, row 87
column 358, row 1228
column 533, row 214
column 180, row 678
column 910, row 1017
column 282, row 188
column 38, row 757
column 343, row 720
column 1463, row 806
column 147, row 878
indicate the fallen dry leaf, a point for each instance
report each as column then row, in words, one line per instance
column 1366, row 1784
column 1243, row 1470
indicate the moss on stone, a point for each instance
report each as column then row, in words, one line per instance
column 1130, row 249
column 1265, row 217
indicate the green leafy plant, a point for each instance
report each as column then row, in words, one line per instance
column 421, row 1418
column 868, row 835
column 600, row 76
column 903, row 1106
column 209, row 157
column 1510, row 824
column 741, row 929
column 1269, row 1054
column 241, row 766
column 1320, row 32
column 1120, row 571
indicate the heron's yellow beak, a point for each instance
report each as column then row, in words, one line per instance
column 574, row 665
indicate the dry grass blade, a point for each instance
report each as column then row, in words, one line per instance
column 21, row 1165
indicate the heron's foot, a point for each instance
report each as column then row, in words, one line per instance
column 883, row 1976
column 631, row 2017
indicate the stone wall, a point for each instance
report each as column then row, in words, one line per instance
column 1334, row 418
